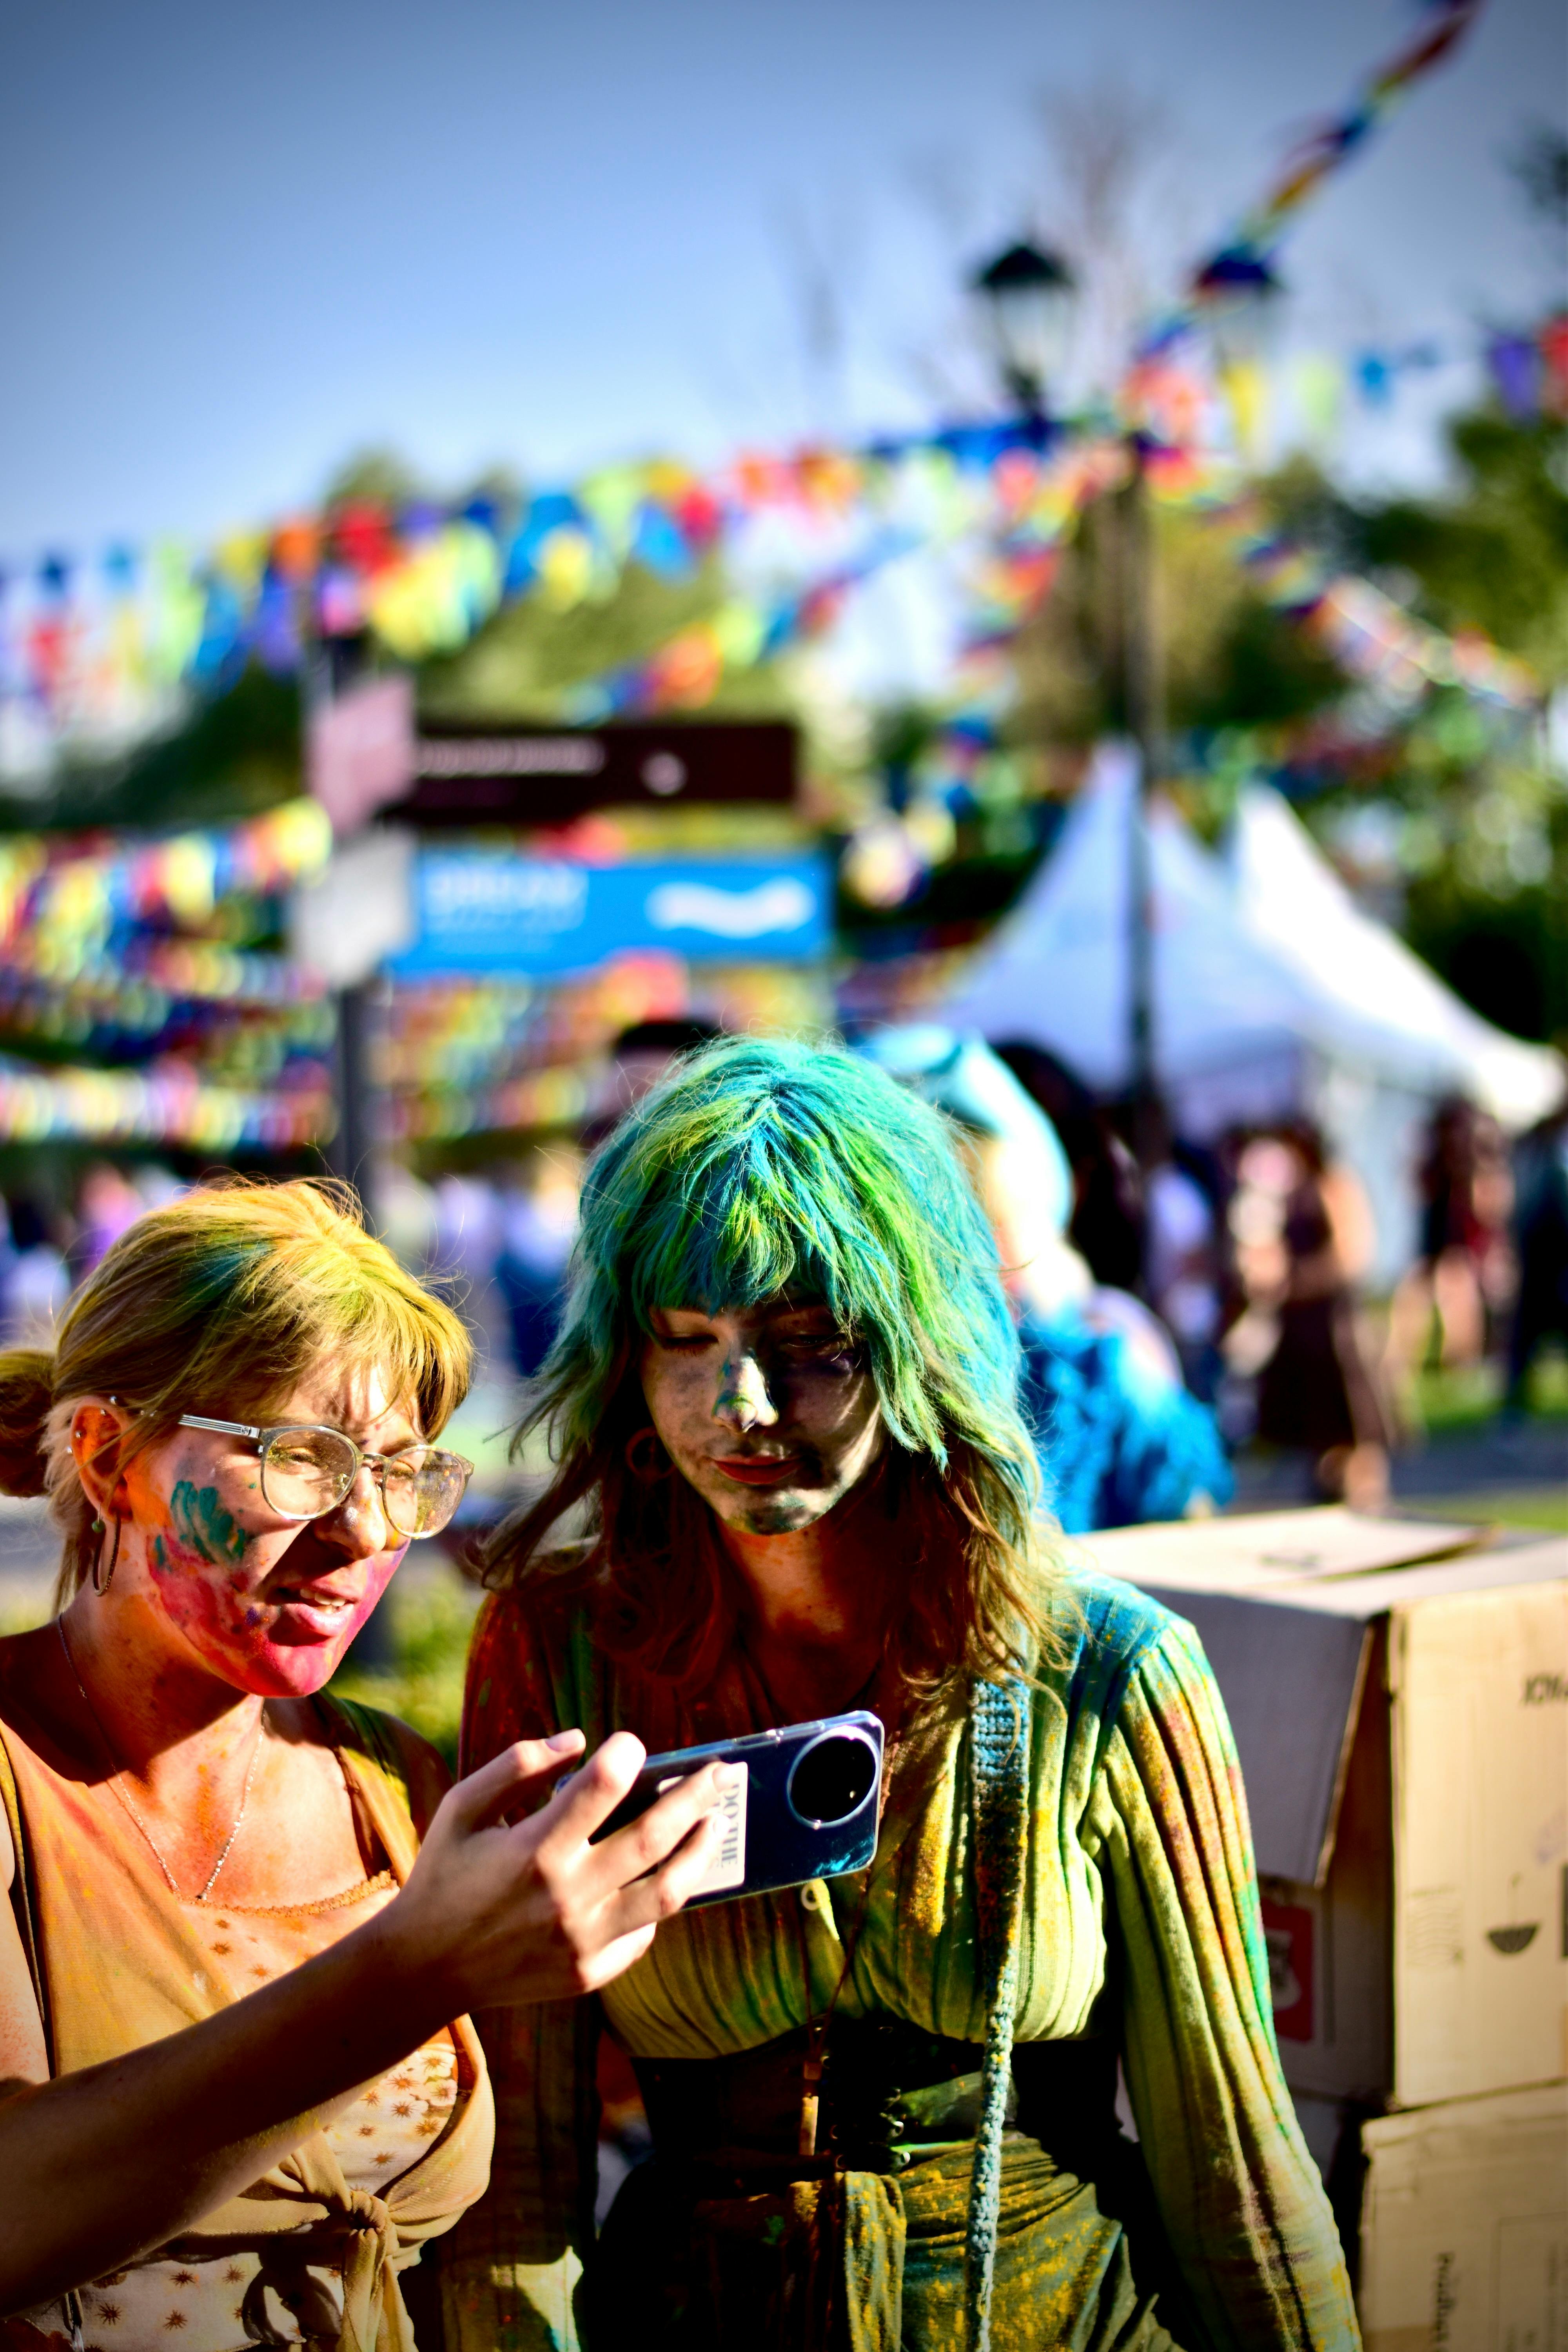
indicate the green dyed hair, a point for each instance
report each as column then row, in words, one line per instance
column 759, row 1168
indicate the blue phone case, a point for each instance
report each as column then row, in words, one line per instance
column 809, row 1805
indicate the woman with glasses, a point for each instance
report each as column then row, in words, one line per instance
column 883, row 2104
column 238, row 2089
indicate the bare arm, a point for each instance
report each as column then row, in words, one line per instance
column 493, row 1914
column 1348, row 1213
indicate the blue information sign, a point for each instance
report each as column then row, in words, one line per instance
column 478, row 912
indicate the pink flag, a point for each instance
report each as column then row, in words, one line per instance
column 359, row 750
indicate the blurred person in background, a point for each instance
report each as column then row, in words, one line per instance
column 467, row 1243
column 37, row 1279
column 1465, row 1277
column 639, row 1057
column 1107, row 1223
column 1184, row 1271
column 405, row 1215
column 1159, row 1237
column 539, row 1225
column 106, row 1204
column 1540, row 1239
column 1304, row 1241
column 1119, row 1439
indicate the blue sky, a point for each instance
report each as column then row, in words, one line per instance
column 242, row 242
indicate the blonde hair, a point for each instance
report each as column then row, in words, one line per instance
column 221, row 1303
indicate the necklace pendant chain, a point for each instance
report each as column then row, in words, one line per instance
column 117, row 1782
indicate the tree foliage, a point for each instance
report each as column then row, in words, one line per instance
column 1463, row 821
column 1227, row 658
column 1494, row 555
column 233, row 757
column 524, row 662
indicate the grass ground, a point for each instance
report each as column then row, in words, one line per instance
column 1531, row 1506
column 1468, row 1396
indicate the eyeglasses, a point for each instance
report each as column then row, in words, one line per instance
column 307, row 1470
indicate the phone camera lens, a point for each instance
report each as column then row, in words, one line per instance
column 832, row 1779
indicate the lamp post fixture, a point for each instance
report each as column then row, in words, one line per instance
column 1236, row 297
column 1029, row 295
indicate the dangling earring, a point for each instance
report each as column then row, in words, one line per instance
column 101, row 1582
column 646, row 1472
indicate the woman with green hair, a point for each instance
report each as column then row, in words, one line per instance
column 787, row 1447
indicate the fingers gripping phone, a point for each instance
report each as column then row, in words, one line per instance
column 803, row 1802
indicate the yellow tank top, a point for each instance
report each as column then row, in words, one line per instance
column 310, row 2255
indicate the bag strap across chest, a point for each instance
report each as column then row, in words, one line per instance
column 999, row 1803
column 24, row 1900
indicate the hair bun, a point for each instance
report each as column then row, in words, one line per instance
column 26, row 1395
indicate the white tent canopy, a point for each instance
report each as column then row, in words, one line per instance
column 1058, row 969
column 1257, row 966
column 1273, row 992
column 1376, row 1000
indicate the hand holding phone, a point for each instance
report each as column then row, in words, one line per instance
column 801, row 1802
column 509, row 1904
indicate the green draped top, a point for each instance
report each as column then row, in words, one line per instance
column 1140, row 1921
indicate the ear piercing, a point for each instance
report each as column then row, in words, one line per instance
column 101, row 1578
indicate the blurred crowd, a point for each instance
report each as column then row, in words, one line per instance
column 1169, row 1312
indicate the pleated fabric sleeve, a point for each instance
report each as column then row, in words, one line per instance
column 1240, row 2198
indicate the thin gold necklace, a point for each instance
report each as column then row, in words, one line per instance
column 116, row 1780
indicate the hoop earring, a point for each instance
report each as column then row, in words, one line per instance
column 647, row 1473
column 100, row 1583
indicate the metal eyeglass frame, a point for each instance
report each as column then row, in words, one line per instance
column 377, row 1463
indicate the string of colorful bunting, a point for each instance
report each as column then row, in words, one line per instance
column 1242, row 263
column 93, row 656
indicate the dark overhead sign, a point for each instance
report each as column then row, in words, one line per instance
column 543, row 776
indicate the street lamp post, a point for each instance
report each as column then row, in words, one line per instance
column 1029, row 294
column 1143, row 701
column 1235, row 298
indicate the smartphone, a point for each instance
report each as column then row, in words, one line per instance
column 803, row 1802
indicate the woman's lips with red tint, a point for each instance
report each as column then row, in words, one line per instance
column 324, row 1619
column 755, row 1470
column 319, row 1610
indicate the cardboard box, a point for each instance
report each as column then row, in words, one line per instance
column 1465, row 2226
column 1268, row 1547
column 1402, row 1734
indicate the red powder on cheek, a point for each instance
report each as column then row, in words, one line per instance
column 256, row 1643
column 197, row 1597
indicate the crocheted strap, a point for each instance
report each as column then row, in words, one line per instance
column 999, row 1796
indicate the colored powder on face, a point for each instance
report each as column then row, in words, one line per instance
column 213, row 1577
column 204, row 1526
